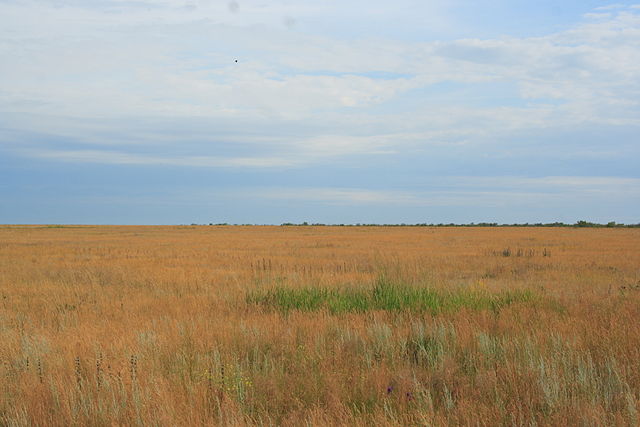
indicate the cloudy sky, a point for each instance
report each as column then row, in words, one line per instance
column 136, row 112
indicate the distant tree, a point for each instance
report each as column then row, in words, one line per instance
column 583, row 223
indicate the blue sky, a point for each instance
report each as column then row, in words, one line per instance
column 135, row 112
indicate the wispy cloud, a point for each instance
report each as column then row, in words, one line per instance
column 464, row 191
column 551, row 183
column 82, row 67
column 119, row 158
column 338, row 195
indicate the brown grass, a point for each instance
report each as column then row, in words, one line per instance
column 152, row 325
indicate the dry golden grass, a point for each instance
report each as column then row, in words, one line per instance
column 152, row 325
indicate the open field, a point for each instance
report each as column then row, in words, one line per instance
column 319, row 325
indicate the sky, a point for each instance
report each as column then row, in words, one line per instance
column 273, row 111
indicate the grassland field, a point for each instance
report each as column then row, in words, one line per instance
column 267, row 325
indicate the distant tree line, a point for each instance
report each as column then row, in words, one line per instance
column 578, row 224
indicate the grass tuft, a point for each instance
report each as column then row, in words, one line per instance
column 388, row 296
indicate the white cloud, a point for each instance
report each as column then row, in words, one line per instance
column 113, row 157
column 130, row 61
column 464, row 191
column 612, row 6
column 338, row 195
column 554, row 184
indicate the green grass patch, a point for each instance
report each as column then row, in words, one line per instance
column 385, row 295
